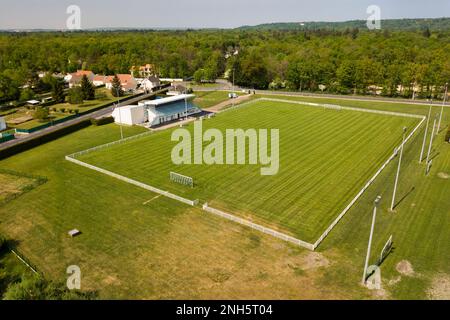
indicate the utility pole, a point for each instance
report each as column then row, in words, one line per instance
column 375, row 206
column 232, row 97
column 442, row 108
column 120, row 113
column 185, row 104
column 426, row 132
column 431, row 139
column 398, row 169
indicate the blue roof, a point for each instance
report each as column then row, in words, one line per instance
column 175, row 107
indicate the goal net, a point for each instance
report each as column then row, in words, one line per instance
column 181, row 179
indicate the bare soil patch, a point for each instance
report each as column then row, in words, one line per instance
column 405, row 268
column 443, row 175
column 440, row 288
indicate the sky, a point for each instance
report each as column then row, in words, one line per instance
column 51, row 14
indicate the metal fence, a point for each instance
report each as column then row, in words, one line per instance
column 258, row 227
column 109, row 144
column 134, row 182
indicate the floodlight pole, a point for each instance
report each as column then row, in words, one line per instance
column 426, row 132
column 375, row 206
column 232, row 90
column 120, row 113
column 431, row 139
column 398, row 170
column 442, row 108
column 185, row 104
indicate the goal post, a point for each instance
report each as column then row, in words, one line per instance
column 181, row 179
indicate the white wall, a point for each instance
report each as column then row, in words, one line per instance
column 129, row 116
column 2, row 124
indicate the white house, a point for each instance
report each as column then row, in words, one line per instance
column 148, row 84
column 176, row 89
column 158, row 111
column 2, row 124
column 127, row 82
column 74, row 79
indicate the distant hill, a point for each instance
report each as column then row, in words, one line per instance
column 436, row 24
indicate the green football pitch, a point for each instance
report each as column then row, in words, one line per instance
column 326, row 157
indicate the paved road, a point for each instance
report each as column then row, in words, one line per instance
column 96, row 114
column 228, row 86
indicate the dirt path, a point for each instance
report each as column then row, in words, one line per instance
column 218, row 107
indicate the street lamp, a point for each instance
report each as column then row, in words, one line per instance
column 375, row 206
column 442, row 108
column 120, row 113
column 398, row 169
column 431, row 140
column 426, row 132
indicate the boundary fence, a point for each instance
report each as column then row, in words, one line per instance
column 106, row 145
column 258, row 227
column 234, row 218
column 134, row 182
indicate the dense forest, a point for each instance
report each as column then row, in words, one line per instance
column 342, row 61
column 437, row 24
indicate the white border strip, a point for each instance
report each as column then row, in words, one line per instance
column 360, row 193
column 258, row 227
column 134, row 182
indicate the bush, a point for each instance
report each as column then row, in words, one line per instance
column 102, row 121
column 40, row 114
column 2, row 242
column 62, row 110
column 447, row 136
column 75, row 96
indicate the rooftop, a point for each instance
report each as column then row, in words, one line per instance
column 158, row 102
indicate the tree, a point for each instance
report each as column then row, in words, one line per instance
column 41, row 113
column 8, row 89
column 87, row 89
column 58, row 94
column 346, row 77
column 75, row 95
column 36, row 288
column 198, row 75
column 116, row 89
column 27, row 94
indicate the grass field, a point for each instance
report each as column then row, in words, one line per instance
column 326, row 156
column 206, row 99
column 163, row 249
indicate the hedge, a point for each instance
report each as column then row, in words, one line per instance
column 102, row 121
column 28, row 144
column 6, row 137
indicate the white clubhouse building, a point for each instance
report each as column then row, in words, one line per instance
column 156, row 112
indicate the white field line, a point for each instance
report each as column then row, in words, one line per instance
column 134, row 182
column 148, row 201
column 258, row 227
column 337, row 107
column 26, row 263
column 360, row 193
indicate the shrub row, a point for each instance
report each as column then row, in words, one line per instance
column 28, row 144
column 102, row 121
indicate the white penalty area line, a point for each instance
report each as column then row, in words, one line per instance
column 148, row 201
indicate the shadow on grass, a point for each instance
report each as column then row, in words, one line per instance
column 404, row 197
